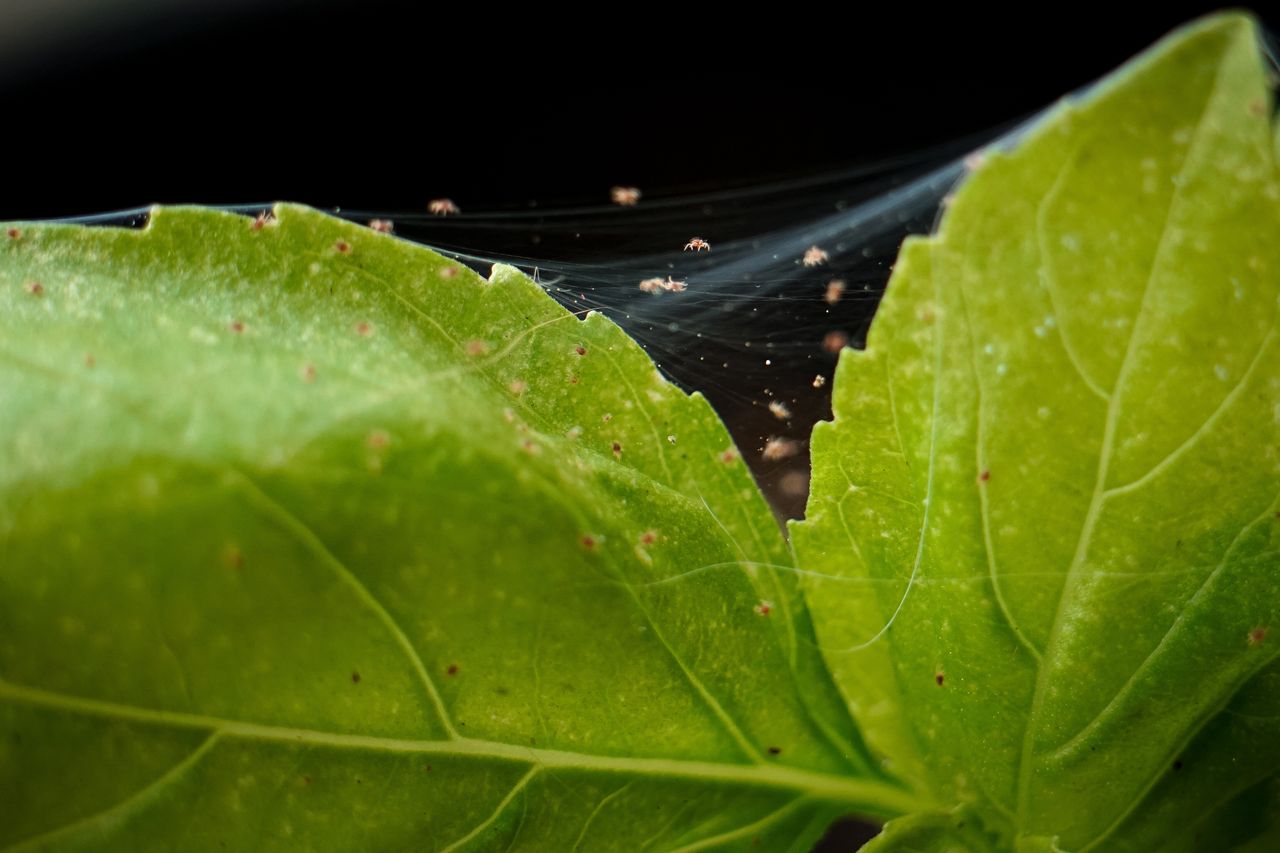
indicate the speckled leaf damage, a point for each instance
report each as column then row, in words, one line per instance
column 313, row 539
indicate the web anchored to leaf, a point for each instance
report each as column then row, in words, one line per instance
column 1079, row 431
column 314, row 539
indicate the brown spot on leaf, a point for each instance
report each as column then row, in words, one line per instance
column 89, row 360
column 1177, row 765
column 378, row 439
column 938, row 678
column 648, row 537
column 233, row 557
column 14, row 234
column 452, row 669
column 363, row 329
column 355, row 678
column 237, row 327
column 1257, row 635
column 308, row 372
column 343, row 247
column 35, row 288
column 775, row 750
column 580, row 349
column 475, row 348
column 589, row 542
column 984, row 476
column 617, row 450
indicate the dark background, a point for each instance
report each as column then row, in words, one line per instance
column 384, row 106
column 108, row 105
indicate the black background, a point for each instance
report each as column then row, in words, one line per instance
column 384, row 106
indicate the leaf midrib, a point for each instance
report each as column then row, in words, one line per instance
column 872, row 797
column 1100, row 492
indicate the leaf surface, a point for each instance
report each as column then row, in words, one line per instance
column 1043, row 544
column 312, row 538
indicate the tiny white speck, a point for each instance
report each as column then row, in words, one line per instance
column 1049, row 321
column 1220, row 371
column 988, row 349
column 1002, row 369
column 1041, row 331
column 1043, row 411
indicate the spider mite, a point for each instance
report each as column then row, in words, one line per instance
column 814, row 256
column 443, row 207
column 14, row 233
column 729, row 456
column 835, row 341
column 763, row 607
column 652, row 285
column 262, row 220
column 794, row 483
column 382, row 226
column 625, row 196
column 648, row 537
column 617, row 450
column 1257, row 635
column 589, row 542
column 35, row 288
column 779, row 410
column 697, row 244
column 776, row 449
column 518, row 386
column 363, row 329
column 343, row 247
column 674, row 286
column 835, row 288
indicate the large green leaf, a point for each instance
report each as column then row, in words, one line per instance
column 313, row 539
column 1043, row 545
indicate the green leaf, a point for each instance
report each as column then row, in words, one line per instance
column 1043, row 545
column 313, row 539
column 933, row 832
